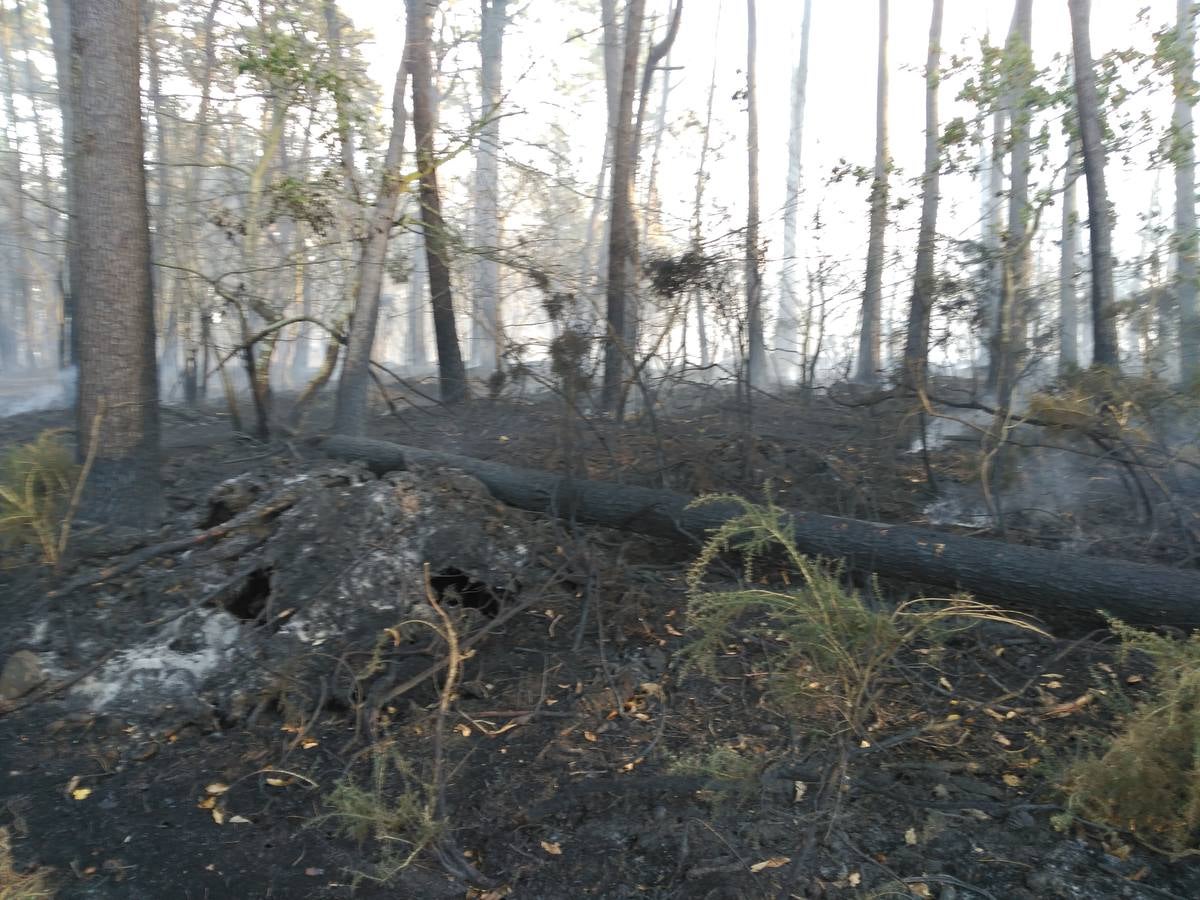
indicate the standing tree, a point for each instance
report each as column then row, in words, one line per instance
column 452, row 374
column 60, row 35
column 787, row 326
column 916, row 348
column 872, row 306
column 351, row 415
column 1184, row 155
column 1068, row 302
column 1106, row 350
column 485, row 325
column 757, row 362
column 621, row 237
column 117, row 378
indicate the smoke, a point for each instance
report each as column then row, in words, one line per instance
column 24, row 393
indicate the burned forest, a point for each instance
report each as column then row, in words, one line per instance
column 603, row 448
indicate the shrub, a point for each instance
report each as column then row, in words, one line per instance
column 1147, row 781
column 37, row 481
column 829, row 646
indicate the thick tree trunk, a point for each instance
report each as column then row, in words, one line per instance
column 350, row 416
column 621, row 238
column 757, row 362
column 117, row 373
column 1106, row 350
column 1184, row 154
column 787, row 327
column 452, row 375
column 920, row 310
column 486, row 336
column 1008, row 573
column 872, row 307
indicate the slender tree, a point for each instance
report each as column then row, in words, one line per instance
column 1068, row 301
column 621, row 237
column 787, row 327
column 117, row 375
column 916, row 347
column 698, row 208
column 452, row 374
column 1106, row 350
column 351, row 414
column 486, row 337
column 756, row 368
column 872, row 307
column 1184, row 153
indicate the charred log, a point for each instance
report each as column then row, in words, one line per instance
column 1004, row 573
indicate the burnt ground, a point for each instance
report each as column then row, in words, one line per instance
column 580, row 756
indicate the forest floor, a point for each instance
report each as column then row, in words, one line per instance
column 579, row 756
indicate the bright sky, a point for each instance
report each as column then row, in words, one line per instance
column 841, row 97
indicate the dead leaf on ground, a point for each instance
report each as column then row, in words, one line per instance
column 774, row 862
column 552, row 847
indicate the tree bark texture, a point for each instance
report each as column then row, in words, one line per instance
column 486, row 337
column 117, row 372
column 757, row 361
column 1068, row 301
column 621, row 238
column 1106, row 350
column 872, row 307
column 350, row 416
column 1184, row 154
column 1006, row 573
column 452, row 375
column 920, row 310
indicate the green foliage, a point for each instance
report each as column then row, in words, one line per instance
column 830, row 649
column 36, row 483
column 1147, row 781
column 394, row 808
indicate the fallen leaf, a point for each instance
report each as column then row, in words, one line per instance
column 774, row 862
column 855, row 879
column 81, row 793
column 207, row 803
column 1134, row 679
column 552, row 847
column 1001, row 740
column 313, row 871
column 910, row 837
column 239, row 820
column 278, row 782
column 920, row 889
column 1011, row 780
column 218, row 815
column 309, row 743
column 464, row 730
column 801, row 789
column 945, row 682
column 217, row 788
column 590, row 736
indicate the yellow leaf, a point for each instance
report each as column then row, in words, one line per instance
column 1001, row 740
column 590, row 736
column 217, row 788
column 218, row 815
column 910, row 837
column 920, row 889
column 1011, row 780
column 309, row 743
column 207, row 803
column 552, row 847
column 945, row 682
column 464, row 730
column 81, row 793
column 504, row 438
column 774, row 862
column 278, row 782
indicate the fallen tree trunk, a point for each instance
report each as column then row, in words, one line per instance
column 1004, row 573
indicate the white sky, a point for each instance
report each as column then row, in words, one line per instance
column 841, row 98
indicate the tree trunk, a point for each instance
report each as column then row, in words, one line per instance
column 872, row 308
column 350, row 416
column 757, row 361
column 1008, row 573
column 1184, row 154
column 787, row 328
column 452, row 375
column 417, row 356
column 60, row 33
column 698, row 208
column 1106, row 351
column 993, row 275
column 486, row 337
column 117, row 374
column 1013, row 313
column 1068, row 301
column 621, row 240
column 920, row 310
